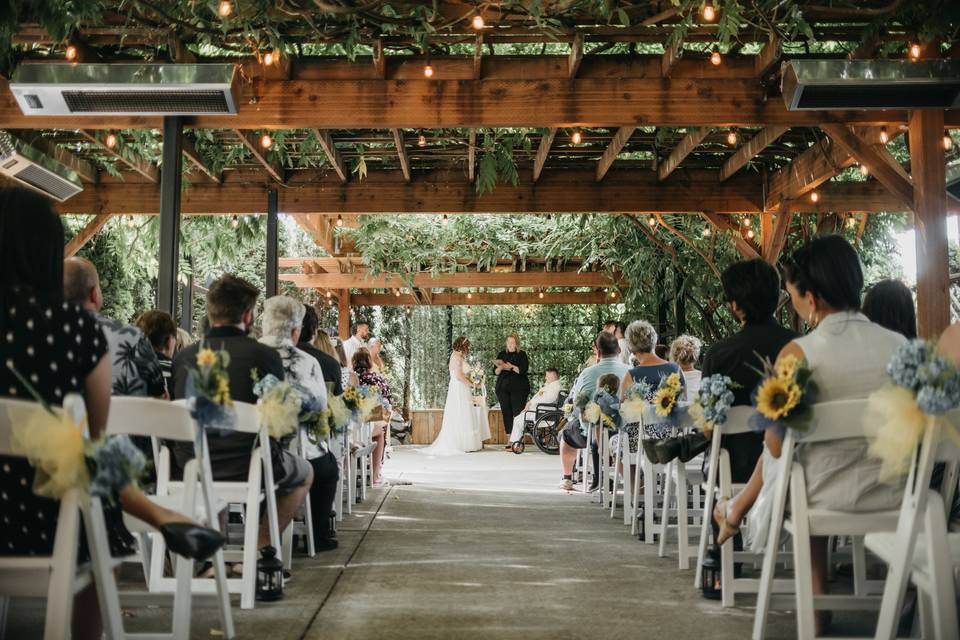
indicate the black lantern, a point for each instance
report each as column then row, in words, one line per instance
column 269, row 576
column 710, row 574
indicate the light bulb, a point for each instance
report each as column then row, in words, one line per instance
column 750, row 234
column 914, row 50
column 884, row 136
column 576, row 137
column 707, row 232
column 469, row 311
column 652, row 221
column 111, row 140
column 339, row 220
column 613, row 294
column 814, row 196
column 427, row 71
column 329, row 295
column 330, row 302
column 445, row 220
column 269, row 58
column 732, row 137
column 235, row 222
column 540, row 295
column 715, row 58
column 70, row 53
column 225, row 8
column 947, row 142
column 709, row 13
column 477, row 22
column 748, row 222
column 396, row 292
column 864, row 170
column 469, row 295
column 266, row 141
column 422, row 141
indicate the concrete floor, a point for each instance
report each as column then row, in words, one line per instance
column 477, row 546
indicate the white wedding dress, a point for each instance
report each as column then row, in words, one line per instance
column 464, row 425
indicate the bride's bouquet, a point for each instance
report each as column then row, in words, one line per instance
column 477, row 377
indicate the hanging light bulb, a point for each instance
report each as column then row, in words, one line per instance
column 708, row 12
column 884, row 136
column 422, row 141
column 131, row 222
column 715, row 58
column 576, row 137
column 225, row 8
column 339, row 220
column 70, row 53
column 469, row 295
column 427, row 71
column 329, row 295
column 445, row 220
column 469, row 311
column 732, row 137
column 540, row 295
column 234, row 222
column 814, row 196
column 947, row 142
column 408, row 310
column 750, row 234
column 707, row 232
column 396, row 292
column 864, row 171
column 477, row 23
column 269, row 58
column 652, row 221
column 613, row 294
column 915, row 50
column 266, row 141
column 748, row 222
column 851, row 222
column 111, row 140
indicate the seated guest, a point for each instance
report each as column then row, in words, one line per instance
column 161, row 331
column 61, row 349
column 230, row 304
column 751, row 290
column 366, row 376
column 329, row 365
column 548, row 394
column 375, row 347
column 282, row 322
column 848, row 356
column 650, row 368
column 685, row 351
column 571, row 439
column 184, row 340
column 889, row 303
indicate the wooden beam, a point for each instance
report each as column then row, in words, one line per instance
column 85, row 234
column 877, row 161
column 379, row 60
column 542, row 152
column 401, row 153
column 472, row 156
column 87, row 170
column 806, row 172
column 930, row 220
column 318, row 227
column 252, row 142
column 147, row 169
column 343, row 314
column 619, row 141
column 721, row 223
column 576, row 55
column 763, row 139
column 778, row 235
column 190, row 152
column 333, row 155
column 438, row 192
column 462, row 279
column 671, row 55
column 767, row 62
column 478, row 56
column 689, row 142
column 505, row 298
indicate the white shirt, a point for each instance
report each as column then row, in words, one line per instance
column 625, row 356
column 547, row 394
column 692, row 381
column 350, row 347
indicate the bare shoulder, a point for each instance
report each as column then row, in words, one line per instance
column 792, row 348
column 949, row 343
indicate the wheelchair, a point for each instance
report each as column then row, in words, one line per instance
column 543, row 424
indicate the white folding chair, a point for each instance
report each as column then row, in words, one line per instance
column 620, row 475
column 832, row 421
column 645, row 496
column 299, row 526
column 677, row 479
column 166, row 421
column 921, row 549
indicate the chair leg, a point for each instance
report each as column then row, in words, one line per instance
column 707, row 517
column 628, row 493
column 802, row 573
column 106, row 584
column 682, row 533
column 616, row 478
column 943, row 597
column 635, row 508
column 859, row 566
column 665, row 510
column 649, row 500
column 182, row 598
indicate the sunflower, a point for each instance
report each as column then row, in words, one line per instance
column 776, row 398
column 787, row 367
column 222, row 395
column 664, row 401
column 206, row 358
column 673, row 381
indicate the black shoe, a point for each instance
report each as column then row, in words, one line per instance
column 325, row 544
column 191, row 541
column 692, row 445
column 650, row 450
column 667, row 449
column 287, row 577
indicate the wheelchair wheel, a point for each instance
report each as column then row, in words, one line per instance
column 518, row 447
column 546, row 432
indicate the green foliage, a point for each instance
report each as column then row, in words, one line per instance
column 497, row 163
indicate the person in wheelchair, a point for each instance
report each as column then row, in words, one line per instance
column 548, row 394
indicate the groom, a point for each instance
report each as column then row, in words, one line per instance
column 359, row 333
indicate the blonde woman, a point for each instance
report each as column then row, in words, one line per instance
column 685, row 351
column 375, row 346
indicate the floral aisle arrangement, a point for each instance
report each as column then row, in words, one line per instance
column 208, row 390
column 714, row 399
column 923, row 388
column 606, row 409
column 575, row 410
column 477, row 377
column 635, row 402
column 785, row 396
column 666, row 396
column 357, row 403
column 279, row 405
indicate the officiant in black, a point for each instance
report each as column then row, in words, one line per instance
column 513, row 386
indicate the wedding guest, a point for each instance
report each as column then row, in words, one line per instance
column 848, row 356
column 310, row 341
column 620, row 330
column 184, row 340
column 889, row 303
column 358, row 338
column 230, row 307
column 61, row 349
column 366, row 376
column 610, row 326
column 571, row 439
column 547, row 394
column 282, row 323
column 161, row 331
column 685, row 351
column 513, row 385
column 375, row 347
column 752, row 290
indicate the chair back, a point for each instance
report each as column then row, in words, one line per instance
column 835, row 420
column 248, row 419
column 151, row 417
column 738, row 420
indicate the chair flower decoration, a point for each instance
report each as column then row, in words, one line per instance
column 477, row 377
column 714, row 399
column 279, row 405
column 208, row 390
column 785, row 396
column 608, row 407
column 666, row 396
column 923, row 388
column 635, row 401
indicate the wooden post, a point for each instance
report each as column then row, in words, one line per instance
column 343, row 315
column 930, row 221
column 272, row 243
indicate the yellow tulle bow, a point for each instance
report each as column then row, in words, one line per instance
column 896, row 425
column 631, row 410
column 54, row 445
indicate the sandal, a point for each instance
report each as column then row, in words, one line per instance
column 727, row 530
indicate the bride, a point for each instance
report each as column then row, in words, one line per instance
column 463, row 428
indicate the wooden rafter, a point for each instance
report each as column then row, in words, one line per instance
column 85, row 234
column 542, row 152
column 693, row 245
column 270, row 164
column 472, row 156
column 619, row 141
column 504, row 298
column 877, row 160
column 721, row 223
column 764, row 138
column 147, row 169
column 689, row 142
column 767, row 61
column 576, row 55
column 671, row 55
column 401, row 153
column 379, row 60
column 333, row 155
column 191, row 154
column 87, row 170
column 652, row 236
column 807, row 171
column 364, row 280
column 779, row 231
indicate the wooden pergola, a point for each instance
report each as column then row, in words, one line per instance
column 637, row 134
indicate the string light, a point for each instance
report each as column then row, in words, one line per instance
column 445, row 220
column 225, row 8
column 576, row 137
column 427, row 71
column 234, row 222
column 70, row 53
column 915, row 50
column 469, row 311
column 270, row 57
column 422, row 141
column 732, row 137
column 864, row 171
column 750, row 234
column 329, row 295
column 884, row 136
column 652, row 221
column 477, row 23
column 947, row 142
column 748, row 222
column 339, row 220
column 814, row 196
column 111, row 140
column 540, row 295
column 396, row 292
column 613, row 294
column 707, row 232
column 715, row 58
column 266, row 141
column 708, row 12
column 408, row 310
column 469, row 295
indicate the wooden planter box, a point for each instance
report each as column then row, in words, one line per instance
column 426, row 425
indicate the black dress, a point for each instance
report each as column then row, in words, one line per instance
column 54, row 345
column 513, row 388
